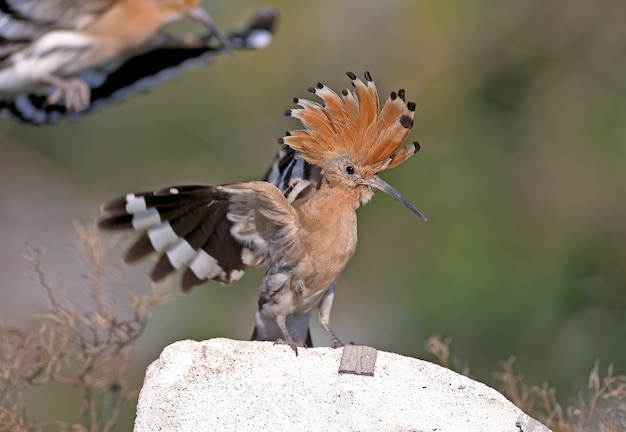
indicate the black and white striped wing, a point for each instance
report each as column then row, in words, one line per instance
column 187, row 227
column 191, row 227
column 292, row 175
column 23, row 21
column 27, row 19
column 47, row 14
column 122, row 78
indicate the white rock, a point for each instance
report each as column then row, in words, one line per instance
column 227, row 385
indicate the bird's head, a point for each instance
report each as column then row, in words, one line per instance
column 352, row 140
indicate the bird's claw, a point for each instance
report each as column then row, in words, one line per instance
column 336, row 343
column 294, row 346
column 75, row 93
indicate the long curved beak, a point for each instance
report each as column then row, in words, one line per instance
column 378, row 183
column 203, row 17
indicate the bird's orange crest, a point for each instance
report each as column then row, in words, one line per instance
column 353, row 124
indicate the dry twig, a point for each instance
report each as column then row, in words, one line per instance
column 85, row 348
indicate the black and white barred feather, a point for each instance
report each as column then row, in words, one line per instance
column 192, row 228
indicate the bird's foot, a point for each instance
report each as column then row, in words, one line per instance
column 336, row 343
column 294, row 346
column 334, row 340
column 75, row 93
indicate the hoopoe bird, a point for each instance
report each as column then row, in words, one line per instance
column 301, row 220
column 57, row 52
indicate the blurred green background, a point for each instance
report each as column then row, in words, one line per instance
column 521, row 113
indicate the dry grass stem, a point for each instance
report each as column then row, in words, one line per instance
column 600, row 408
column 87, row 348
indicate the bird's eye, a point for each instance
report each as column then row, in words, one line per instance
column 350, row 169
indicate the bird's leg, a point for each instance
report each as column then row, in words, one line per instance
column 74, row 91
column 324, row 316
column 336, row 343
column 280, row 321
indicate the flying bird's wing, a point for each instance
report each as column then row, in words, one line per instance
column 22, row 21
column 30, row 18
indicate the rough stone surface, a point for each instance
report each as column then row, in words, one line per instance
column 226, row 385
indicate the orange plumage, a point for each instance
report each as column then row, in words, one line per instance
column 353, row 124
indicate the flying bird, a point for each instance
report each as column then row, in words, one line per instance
column 301, row 220
column 65, row 57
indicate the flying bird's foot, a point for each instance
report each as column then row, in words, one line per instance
column 73, row 91
column 294, row 346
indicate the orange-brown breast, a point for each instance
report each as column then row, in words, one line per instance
column 329, row 235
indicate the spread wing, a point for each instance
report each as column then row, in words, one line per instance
column 264, row 221
column 186, row 226
column 216, row 232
